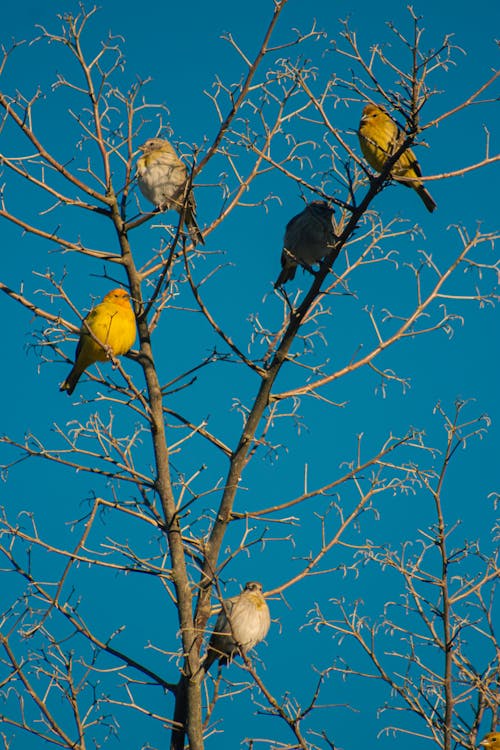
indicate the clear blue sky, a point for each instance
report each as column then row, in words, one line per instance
column 179, row 47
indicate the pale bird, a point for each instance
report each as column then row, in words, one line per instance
column 243, row 622
column 162, row 178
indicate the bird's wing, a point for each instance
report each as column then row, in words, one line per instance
column 407, row 160
column 222, row 623
column 84, row 331
column 293, row 222
column 414, row 163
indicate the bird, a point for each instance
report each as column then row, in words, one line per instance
column 378, row 135
column 491, row 741
column 112, row 322
column 243, row 621
column 162, row 179
column 309, row 236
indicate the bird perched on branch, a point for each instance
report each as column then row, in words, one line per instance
column 112, row 323
column 378, row 135
column 162, row 178
column 491, row 741
column 309, row 237
column 242, row 623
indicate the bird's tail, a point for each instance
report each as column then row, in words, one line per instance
column 287, row 274
column 209, row 659
column 427, row 198
column 71, row 381
column 213, row 654
column 191, row 224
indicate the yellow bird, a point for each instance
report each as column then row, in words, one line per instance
column 112, row 322
column 491, row 741
column 378, row 135
column 162, row 178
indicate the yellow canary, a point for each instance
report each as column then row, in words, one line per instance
column 112, row 322
column 378, row 135
column 162, row 178
column 242, row 623
column 491, row 741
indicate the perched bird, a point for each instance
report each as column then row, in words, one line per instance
column 378, row 135
column 112, row 322
column 491, row 741
column 162, row 178
column 242, row 623
column 309, row 236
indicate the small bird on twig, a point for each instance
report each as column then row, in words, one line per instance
column 309, row 237
column 378, row 135
column 243, row 622
column 162, row 178
column 112, row 322
column 491, row 741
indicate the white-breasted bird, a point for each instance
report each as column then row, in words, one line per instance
column 243, row 621
column 162, row 179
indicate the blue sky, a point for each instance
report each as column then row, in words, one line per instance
column 180, row 49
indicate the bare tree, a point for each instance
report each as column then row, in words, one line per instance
column 176, row 501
